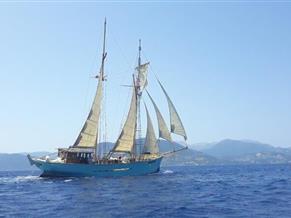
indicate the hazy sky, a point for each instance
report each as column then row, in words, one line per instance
column 226, row 66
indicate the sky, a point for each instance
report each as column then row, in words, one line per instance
column 225, row 65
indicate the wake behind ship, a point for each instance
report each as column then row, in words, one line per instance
column 130, row 156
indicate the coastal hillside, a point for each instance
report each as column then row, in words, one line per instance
column 231, row 151
column 230, row 148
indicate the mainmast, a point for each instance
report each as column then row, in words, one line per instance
column 130, row 135
column 139, row 93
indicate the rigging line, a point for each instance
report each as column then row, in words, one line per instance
column 123, row 79
column 124, row 115
column 105, row 120
column 150, row 65
column 93, row 66
column 119, row 47
column 130, row 64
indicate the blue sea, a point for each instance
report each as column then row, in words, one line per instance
column 192, row 191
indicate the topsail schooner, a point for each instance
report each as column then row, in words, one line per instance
column 130, row 155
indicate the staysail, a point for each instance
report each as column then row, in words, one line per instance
column 163, row 129
column 176, row 123
column 89, row 133
column 126, row 139
column 150, row 145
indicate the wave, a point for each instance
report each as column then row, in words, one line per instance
column 19, row 179
column 168, row 172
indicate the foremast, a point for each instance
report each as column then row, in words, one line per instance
column 101, row 78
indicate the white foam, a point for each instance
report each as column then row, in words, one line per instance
column 26, row 178
column 168, row 172
column 68, row 180
column 18, row 179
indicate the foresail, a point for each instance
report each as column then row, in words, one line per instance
column 163, row 129
column 176, row 123
column 142, row 76
column 150, row 145
column 126, row 139
column 89, row 133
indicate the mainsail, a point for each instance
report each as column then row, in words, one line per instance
column 126, row 140
column 89, row 133
column 176, row 123
column 150, row 145
column 163, row 129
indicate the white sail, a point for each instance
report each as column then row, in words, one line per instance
column 126, row 139
column 176, row 123
column 89, row 133
column 150, row 145
column 163, row 129
column 142, row 76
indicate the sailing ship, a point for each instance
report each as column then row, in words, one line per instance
column 127, row 157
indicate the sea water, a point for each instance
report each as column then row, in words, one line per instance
column 192, row 191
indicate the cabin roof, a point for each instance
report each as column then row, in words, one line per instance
column 78, row 150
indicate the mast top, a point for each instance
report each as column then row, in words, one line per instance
column 104, row 54
column 139, row 50
column 104, row 36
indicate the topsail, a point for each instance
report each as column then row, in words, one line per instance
column 176, row 123
column 142, row 76
column 89, row 133
column 126, row 139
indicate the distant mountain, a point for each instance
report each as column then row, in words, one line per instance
column 229, row 148
column 231, row 151
column 202, row 146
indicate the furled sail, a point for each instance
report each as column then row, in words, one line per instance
column 163, row 129
column 150, row 145
column 89, row 133
column 126, row 139
column 142, row 76
column 176, row 123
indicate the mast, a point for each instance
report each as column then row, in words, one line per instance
column 101, row 77
column 88, row 136
column 129, row 138
column 101, row 74
column 138, row 103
